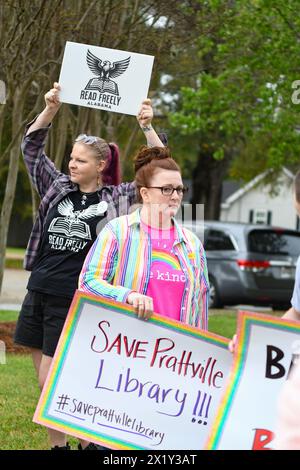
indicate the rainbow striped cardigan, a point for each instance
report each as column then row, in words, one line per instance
column 119, row 262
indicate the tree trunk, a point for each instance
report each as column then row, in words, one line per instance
column 61, row 137
column 208, row 177
column 2, row 114
column 125, row 162
column 17, row 112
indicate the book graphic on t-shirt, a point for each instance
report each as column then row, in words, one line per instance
column 72, row 223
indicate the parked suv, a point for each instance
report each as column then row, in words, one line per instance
column 249, row 263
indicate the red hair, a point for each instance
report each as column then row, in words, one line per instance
column 111, row 175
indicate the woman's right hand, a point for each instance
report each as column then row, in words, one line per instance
column 53, row 104
column 52, row 98
column 142, row 303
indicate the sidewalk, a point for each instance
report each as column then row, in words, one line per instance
column 13, row 289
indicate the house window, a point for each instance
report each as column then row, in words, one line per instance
column 260, row 216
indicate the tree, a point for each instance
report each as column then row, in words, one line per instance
column 248, row 54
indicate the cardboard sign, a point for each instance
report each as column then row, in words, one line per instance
column 106, row 79
column 264, row 356
column 132, row 384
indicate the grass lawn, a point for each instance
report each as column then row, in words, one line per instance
column 18, row 397
column 19, row 391
column 8, row 315
column 223, row 324
column 14, row 258
column 15, row 251
column 19, row 394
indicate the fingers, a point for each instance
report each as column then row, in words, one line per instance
column 143, row 306
column 146, row 108
column 148, row 308
column 145, row 118
column 232, row 344
column 145, row 114
column 141, row 309
column 52, row 96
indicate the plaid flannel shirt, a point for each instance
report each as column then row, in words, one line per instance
column 52, row 186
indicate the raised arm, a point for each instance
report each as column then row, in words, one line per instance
column 41, row 169
column 52, row 106
column 144, row 118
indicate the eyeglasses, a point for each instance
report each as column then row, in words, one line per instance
column 169, row 190
column 87, row 139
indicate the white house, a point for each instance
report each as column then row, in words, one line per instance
column 254, row 203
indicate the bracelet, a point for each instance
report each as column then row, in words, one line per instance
column 147, row 128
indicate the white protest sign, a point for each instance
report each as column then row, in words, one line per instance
column 107, row 79
column 128, row 383
column 247, row 416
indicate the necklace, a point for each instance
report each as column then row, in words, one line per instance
column 84, row 196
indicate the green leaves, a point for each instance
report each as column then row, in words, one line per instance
column 250, row 56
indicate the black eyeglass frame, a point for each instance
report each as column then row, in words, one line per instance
column 169, row 191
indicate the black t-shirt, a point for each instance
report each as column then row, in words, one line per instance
column 69, row 232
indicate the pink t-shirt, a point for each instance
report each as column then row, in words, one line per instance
column 167, row 280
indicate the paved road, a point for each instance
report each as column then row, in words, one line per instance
column 13, row 288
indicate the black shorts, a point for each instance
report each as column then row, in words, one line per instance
column 41, row 321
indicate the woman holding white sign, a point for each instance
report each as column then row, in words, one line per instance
column 146, row 258
column 70, row 214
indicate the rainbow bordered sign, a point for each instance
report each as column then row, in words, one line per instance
column 247, row 415
column 132, row 384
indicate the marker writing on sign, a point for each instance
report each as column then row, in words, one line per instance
column 126, row 383
column 275, row 357
column 163, row 354
column 201, row 407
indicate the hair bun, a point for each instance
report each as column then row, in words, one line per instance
column 147, row 154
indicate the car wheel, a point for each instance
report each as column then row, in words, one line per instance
column 214, row 299
column 281, row 307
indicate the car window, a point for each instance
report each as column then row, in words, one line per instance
column 279, row 242
column 217, row 240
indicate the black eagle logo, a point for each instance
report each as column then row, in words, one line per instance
column 106, row 70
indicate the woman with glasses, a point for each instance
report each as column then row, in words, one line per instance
column 146, row 258
column 72, row 211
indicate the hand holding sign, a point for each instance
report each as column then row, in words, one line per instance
column 143, row 304
column 145, row 114
column 52, row 97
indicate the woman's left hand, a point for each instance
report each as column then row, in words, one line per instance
column 145, row 114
